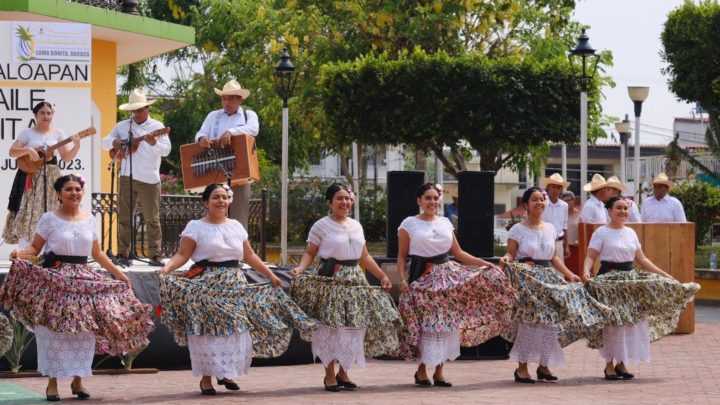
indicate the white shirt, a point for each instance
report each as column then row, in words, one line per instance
column 335, row 241
column 594, row 212
column 146, row 161
column 428, row 238
column 67, row 238
column 615, row 245
column 532, row 244
column 668, row 209
column 557, row 215
column 216, row 242
column 634, row 215
column 32, row 139
column 217, row 122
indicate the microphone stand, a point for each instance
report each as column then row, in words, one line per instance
column 227, row 174
column 44, row 158
column 133, row 254
column 111, row 167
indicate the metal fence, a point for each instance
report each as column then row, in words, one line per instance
column 175, row 213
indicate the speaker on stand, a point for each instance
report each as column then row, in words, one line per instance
column 476, row 216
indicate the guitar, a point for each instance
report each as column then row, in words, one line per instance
column 136, row 143
column 28, row 166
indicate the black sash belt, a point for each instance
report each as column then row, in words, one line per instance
column 51, row 259
column 606, row 267
column 418, row 264
column 18, row 187
column 544, row 263
column 328, row 266
column 207, row 263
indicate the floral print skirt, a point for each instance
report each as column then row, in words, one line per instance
column 545, row 298
column 220, row 302
column 74, row 298
column 451, row 297
column 347, row 300
column 635, row 295
column 6, row 334
column 23, row 223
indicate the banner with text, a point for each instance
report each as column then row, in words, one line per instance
column 41, row 42
column 65, row 83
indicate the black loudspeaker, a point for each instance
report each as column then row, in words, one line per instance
column 401, row 203
column 476, row 197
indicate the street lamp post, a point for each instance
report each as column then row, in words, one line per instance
column 637, row 95
column 623, row 129
column 285, row 79
column 585, row 52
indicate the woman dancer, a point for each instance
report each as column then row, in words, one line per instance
column 646, row 304
column 27, row 201
column 74, row 311
column 354, row 319
column 550, row 312
column 213, row 310
column 444, row 304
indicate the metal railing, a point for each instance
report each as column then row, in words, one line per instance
column 114, row 5
column 176, row 211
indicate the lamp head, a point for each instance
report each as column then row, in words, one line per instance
column 638, row 93
column 622, row 127
column 285, row 66
column 583, row 47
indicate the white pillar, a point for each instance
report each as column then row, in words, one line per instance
column 583, row 146
column 356, row 183
column 284, row 194
column 623, row 166
column 564, row 161
column 638, row 185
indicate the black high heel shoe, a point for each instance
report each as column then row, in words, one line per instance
column 80, row 394
column 331, row 388
column 625, row 376
column 611, row 377
column 229, row 385
column 422, row 383
column 440, row 383
column 210, row 391
column 519, row 379
column 52, row 398
column 348, row 385
column 546, row 377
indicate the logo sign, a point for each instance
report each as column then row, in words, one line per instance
column 43, row 42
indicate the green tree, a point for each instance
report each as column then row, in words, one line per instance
column 505, row 108
column 689, row 39
column 701, row 202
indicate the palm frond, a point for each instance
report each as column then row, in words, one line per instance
column 675, row 155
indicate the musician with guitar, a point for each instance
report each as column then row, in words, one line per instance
column 27, row 202
column 222, row 124
column 150, row 145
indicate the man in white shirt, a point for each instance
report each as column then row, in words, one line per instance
column 615, row 187
column 146, row 175
column 594, row 211
column 556, row 212
column 661, row 207
column 222, row 124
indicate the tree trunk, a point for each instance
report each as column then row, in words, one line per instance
column 421, row 161
column 344, row 165
column 376, row 167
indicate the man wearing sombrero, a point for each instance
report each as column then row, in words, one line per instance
column 661, row 207
column 222, row 124
column 146, row 175
column 615, row 187
column 556, row 212
column 594, row 211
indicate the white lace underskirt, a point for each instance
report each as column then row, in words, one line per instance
column 220, row 356
column 626, row 342
column 346, row 345
column 537, row 343
column 438, row 347
column 64, row 355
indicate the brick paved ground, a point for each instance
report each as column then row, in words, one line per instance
column 685, row 370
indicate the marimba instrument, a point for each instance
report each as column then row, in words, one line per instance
column 200, row 165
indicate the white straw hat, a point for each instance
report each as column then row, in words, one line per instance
column 556, row 178
column 233, row 88
column 615, row 182
column 662, row 178
column 136, row 100
column 597, row 183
